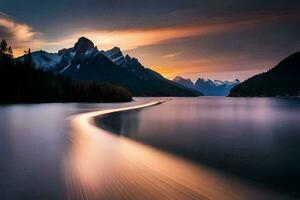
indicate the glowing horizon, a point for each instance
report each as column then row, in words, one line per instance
column 178, row 41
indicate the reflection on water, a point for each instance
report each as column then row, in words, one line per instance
column 255, row 138
column 100, row 165
column 30, row 149
column 46, row 155
column 33, row 139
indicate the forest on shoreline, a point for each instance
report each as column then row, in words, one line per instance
column 20, row 82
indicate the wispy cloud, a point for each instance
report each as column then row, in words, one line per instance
column 20, row 36
column 129, row 39
column 172, row 55
column 23, row 36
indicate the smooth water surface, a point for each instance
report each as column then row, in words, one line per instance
column 47, row 155
column 256, row 138
column 33, row 141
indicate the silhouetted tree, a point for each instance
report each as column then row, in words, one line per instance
column 5, row 55
column 20, row 82
column 27, row 57
column 10, row 52
column 3, row 47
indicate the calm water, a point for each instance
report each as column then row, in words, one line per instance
column 33, row 141
column 46, row 155
column 256, row 138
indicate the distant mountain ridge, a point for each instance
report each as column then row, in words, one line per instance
column 85, row 62
column 208, row 87
column 282, row 80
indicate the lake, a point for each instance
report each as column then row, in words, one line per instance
column 185, row 148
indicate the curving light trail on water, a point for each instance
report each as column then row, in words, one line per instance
column 100, row 165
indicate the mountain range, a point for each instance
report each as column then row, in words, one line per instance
column 208, row 87
column 20, row 82
column 282, row 80
column 84, row 61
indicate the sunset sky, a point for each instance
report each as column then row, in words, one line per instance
column 224, row 40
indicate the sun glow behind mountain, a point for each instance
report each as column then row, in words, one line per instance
column 187, row 38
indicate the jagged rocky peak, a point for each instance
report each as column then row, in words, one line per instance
column 208, row 87
column 83, row 44
column 63, row 51
column 132, row 60
column 127, row 59
column 186, row 82
column 84, row 61
column 207, row 81
column 115, row 54
column 115, row 50
column 179, row 78
column 133, row 63
column 135, row 60
column 200, row 79
column 237, row 81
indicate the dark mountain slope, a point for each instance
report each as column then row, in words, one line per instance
column 85, row 62
column 282, row 80
column 20, row 82
column 102, row 69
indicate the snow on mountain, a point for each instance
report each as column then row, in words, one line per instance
column 64, row 69
column 115, row 55
column 113, row 67
column 84, row 52
column 185, row 82
column 84, row 49
column 84, row 61
column 60, row 61
column 215, row 87
column 129, row 63
column 44, row 60
column 208, row 87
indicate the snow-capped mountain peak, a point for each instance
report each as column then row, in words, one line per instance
column 115, row 54
column 207, row 86
column 84, row 61
column 186, row 82
column 83, row 44
column 43, row 59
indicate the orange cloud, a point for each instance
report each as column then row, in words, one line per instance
column 20, row 36
column 133, row 38
column 172, row 55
